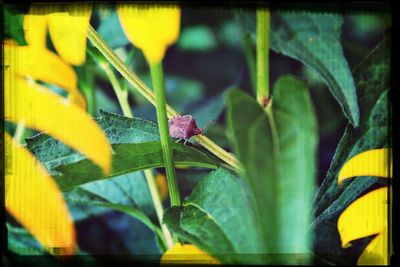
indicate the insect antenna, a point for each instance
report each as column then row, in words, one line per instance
column 208, row 125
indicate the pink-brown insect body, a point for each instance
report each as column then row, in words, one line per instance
column 183, row 127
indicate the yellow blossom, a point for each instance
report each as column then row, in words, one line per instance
column 368, row 215
column 187, row 254
column 150, row 28
column 33, row 198
column 67, row 25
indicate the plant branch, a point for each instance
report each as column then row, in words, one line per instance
column 263, row 28
column 122, row 95
column 19, row 133
column 251, row 62
column 157, row 78
column 136, row 82
column 158, row 206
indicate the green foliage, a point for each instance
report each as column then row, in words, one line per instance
column 281, row 172
column 373, row 81
column 108, row 198
column 314, row 39
column 130, row 190
column 197, row 38
column 21, row 241
column 13, row 25
column 219, row 217
column 135, row 144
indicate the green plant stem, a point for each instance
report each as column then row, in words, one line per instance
column 251, row 62
column 157, row 78
column 263, row 97
column 19, row 133
column 122, row 95
column 86, row 86
column 91, row 99
column 89, row 95
column 263, row 28
column 158, row 206
column 136, row 82
column 123, row 101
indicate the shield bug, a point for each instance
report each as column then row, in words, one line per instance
column 183, row 127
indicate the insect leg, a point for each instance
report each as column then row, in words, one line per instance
column 177, row 141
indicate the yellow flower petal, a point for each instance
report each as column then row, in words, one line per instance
column 150, row 28
column 364, row 217
column 186, row 254
column 367, row 216
column 373, row 162
column 44, row 110
column 42, row 64
column 68, row 32
column 35, row 28
column 34, row 199
column 376, row 253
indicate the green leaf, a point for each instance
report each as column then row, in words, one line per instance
column 281, row 171
column 314, row 39
column 373, row 82
column 128, row 194
column 13, row 22
column 108, row 200
column 129, row 189
column 135, row 144
column 219, row 218
column 20, row 241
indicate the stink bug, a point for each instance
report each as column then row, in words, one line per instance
column 183, row 127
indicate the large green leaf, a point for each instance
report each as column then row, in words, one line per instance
column 314, row 39
column 219, row 218
column 279, row 159
column 373, row 82
column 135, row 144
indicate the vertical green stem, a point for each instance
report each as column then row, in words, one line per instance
column 122, row 95
column 263, row 28
column 157, row 77
column 158, row 206
column 19, row 133
column 86, row 86
column 90, row 98
column 251, row 62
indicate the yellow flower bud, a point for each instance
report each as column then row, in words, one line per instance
column 187, row 254
column 150, row 28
